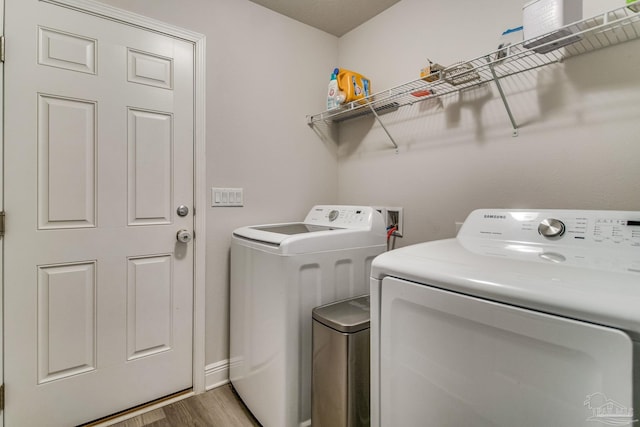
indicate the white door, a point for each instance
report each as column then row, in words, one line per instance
column 98, row 156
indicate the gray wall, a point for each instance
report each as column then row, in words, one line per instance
column 578, row 146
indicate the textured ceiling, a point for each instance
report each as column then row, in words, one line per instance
column 336, row 17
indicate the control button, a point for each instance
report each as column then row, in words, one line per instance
column 551, row 227
column 333, row 215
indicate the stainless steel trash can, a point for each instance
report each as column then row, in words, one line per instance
column 340, row 368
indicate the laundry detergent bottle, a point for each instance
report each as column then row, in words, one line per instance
column 354, row 86
column 332, row 94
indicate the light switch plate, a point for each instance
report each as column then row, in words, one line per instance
column 227, row 197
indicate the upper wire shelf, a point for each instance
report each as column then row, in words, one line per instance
column 603, row 30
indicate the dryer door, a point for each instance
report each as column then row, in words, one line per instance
column 451, row 360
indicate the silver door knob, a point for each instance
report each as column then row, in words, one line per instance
column 184, row 236
column 182, row 210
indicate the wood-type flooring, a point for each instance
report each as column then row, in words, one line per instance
column 219, row 407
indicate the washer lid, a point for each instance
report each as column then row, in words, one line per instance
column 325, row 228
column 292, row 228
column 279, row 234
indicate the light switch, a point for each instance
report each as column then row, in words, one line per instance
column 227, row 196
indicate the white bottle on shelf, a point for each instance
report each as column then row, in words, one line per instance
column 332, row 94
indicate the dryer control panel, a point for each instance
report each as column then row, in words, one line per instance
column 591, row 239
column 562, row 227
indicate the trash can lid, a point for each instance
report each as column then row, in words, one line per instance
column 350, row 315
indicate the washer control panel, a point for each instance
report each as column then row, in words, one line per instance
column 341, row 216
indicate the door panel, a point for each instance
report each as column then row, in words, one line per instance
column 149, row 302
column 150, row 167
column 66, row 136
column 67, row 51
column 98, row 155
column 149, row 69
column 66, row 320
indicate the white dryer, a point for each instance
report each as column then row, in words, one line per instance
column 527, row 318
column 279, row 273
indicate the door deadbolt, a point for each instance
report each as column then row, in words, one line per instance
column 182, row 210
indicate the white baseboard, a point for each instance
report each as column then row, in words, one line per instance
column 216, row 374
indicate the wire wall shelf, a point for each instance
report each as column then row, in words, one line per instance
column 601, row 31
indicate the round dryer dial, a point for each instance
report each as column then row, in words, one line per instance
column 551, row 227
column 333, row 215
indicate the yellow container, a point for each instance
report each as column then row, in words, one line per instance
column 354, row 86
column 431, row 72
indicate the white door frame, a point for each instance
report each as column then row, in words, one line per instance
column 198, row 41
column 1, row 210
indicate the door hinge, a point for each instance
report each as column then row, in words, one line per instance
column 1, row 48
column 1, row 223
column 2, row 397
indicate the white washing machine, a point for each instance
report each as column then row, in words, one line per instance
column 279, row 273
column 527, row 318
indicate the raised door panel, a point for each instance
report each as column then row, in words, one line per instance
column 66, row 320
column 149, row 69
column 66, row 162
column 150, row 167
column 149, row 306
column 67, row 51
